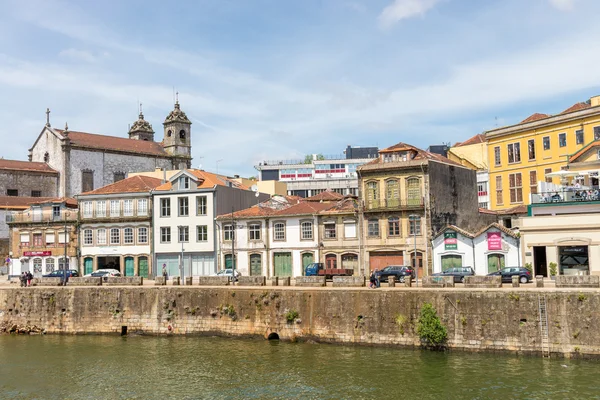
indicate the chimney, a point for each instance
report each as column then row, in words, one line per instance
column 164, row 175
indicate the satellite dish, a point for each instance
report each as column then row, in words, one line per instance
column 257, row 194
column 254, row 188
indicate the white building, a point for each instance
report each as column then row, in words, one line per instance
column 115, row 229
column 184, row 214
column 486, row 251
column 278, row 237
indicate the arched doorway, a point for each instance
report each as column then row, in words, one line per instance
column 143, row 267
column 416, row 261
column 495, row 262
column 331, row 261
column 350, row 261
column 255, row 265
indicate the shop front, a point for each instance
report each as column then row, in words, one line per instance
column 573, row 260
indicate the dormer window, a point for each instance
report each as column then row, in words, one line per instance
column 184, row 182
column 182, row 134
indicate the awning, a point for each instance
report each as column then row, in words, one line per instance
column 563, row 173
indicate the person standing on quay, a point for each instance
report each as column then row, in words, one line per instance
column 164, row 272
column 29, row 278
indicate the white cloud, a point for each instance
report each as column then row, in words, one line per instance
column 403, row 9
column 563, row 5
column 80, row 55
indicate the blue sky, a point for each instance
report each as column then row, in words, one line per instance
column 278, row 79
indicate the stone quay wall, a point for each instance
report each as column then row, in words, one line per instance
column 476, row 320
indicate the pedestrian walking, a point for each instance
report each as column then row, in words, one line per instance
column 23, row 279
column 29, row 278
column 373, row 280
column 164, row 272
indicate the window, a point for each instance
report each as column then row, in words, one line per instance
column 392, row 193
column 55, row 212
column 546, row 172
column 350, row 229
column 184, row 234
column 481, row 188
column 499, row 198
column 165, row 234
column 184, row 182
column 373, row 227
column 533, row 182
column 36, row 193
column 201, row 205
column 531, row 149
column 114, row 208
column 596, row 132
column 118, row 176
column 483, row 204
column 37, row 265
column 100, row 208
column 306, row 230
column 279, row 231
column 182, row 134
column 415, row 225
column 228, row 232
column 497, row 159
column 142, row 207
column 372, row 192
column 254, row 231
column 562, row 139
column 128, row 208
column 24, row 239
column 87, row 181
column 183, row 206
column 46, row 157
column 37, row 239
column 88, row 209
column 115, row 236
column 12, row 192
column 202, row 233
column 515, row 187
column 329, row 230
column 101, row 237
column 579, row 137
column 63, row 237
column 50, row 239
column 165, row 207
column 393, row 226
column 128, row 236
column 142, row 235
column 88, row 237
column 546, row 142
column 514, row 153
column 413, row 191
column 49, row 265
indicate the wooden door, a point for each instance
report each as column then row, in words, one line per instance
column 255, row 265
column 88, row 265
column 283, row 264
column 143, row 266
column 129, row 266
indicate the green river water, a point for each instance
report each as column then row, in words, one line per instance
column 137, row 367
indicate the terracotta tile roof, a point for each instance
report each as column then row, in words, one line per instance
column 521, row 209
column 534, row 117
column 303, row 208
column 69, row 201
column 454, row 228
column 135, row 184
column 20, row 203
column 583, row 150
column 418, row 156
column 280, row 206
column 576, row 107
column 207, row 180
column 486, row 211
column 479, row 138
column 496, row 225
column 115, row 143
column 15, row 165
column 349, row 205
column 327, row 195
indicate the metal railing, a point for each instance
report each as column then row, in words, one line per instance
column 565, row 196
column 42, row 216
column 394, row 203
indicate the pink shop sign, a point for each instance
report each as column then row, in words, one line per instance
column 494, row 240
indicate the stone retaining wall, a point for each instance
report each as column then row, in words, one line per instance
column 122, row 281
column 350, row 281
column 475, row 319
column 582, row 281
column 46, row 281
column 85, row 281
column 213, row 280
column 438, row 281
column 310, row 281
column 483, row 281
column 252, row 281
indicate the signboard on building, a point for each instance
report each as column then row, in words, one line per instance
column 450, row 242
column 37, row 253
column 494, row 240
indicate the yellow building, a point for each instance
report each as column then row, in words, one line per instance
column 521, row 155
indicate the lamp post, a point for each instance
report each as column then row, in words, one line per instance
column 414, row 219
column 181, row 271
column 66, row 263
column 232, row 248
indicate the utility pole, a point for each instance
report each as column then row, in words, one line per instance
column 66, row 263
column 232, row 247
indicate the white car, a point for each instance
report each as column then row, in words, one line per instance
column 229, row 272
column 104, row 272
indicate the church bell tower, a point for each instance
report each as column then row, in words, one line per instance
column 178, row 138
column 141, row 129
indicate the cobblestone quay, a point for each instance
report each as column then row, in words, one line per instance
column 477, row 320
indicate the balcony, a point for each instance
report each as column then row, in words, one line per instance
column 41, row 216
column 394, row 204
column 566, row 196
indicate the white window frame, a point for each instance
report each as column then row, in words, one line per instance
column 202, row 233
column 306, row 230
column 201, row 202
column 101, row 237
column 117, row 236
column 183, row 232
column 101, row 208
column 115, row 208
column 128, row 236
column 254, row 231
column 279, row 231
column 88, row 209
column 165, row 234
column 142, row 207
column 350, row 229
column 228, row 233
column 165, row 207
column 128, row 208
column 143, row 235
column 88, row 237
column 183, row 206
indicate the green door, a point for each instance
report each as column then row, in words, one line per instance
column 143, row 266
column 129, row 266
column 283, row 264
column 255, row 265
column 228, row 263
column 307, row 258
column 88, row 266
column 495, row 262
column 451, row 261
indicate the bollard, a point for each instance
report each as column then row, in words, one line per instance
column 283, row 281
column 176, row 281
column 391, row 281
column 160, row 281
column 188, row 281
column 273, row 280
column 539, row 281
column 408, row 281
column 515, row 281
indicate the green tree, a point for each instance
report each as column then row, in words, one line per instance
column 430, row 329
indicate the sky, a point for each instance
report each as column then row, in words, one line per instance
column 279, row 79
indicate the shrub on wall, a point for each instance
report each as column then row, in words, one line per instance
column 430, row 329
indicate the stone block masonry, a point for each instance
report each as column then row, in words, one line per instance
column 46, row 282
column 85, row 281
column 476, row 320
column 356, row 281
column 213, row 280
column 483, row 281
column 122, row 280
column 582, row 281
column 310, row 281
column 252, row 281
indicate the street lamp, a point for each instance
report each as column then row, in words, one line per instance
column 181, row 271
column 66, row 263
column 414, row 218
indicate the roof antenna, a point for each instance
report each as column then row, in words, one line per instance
column 496, row 120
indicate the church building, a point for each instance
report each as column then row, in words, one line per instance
column 87, row 161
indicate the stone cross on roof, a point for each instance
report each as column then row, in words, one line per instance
column 47, row 117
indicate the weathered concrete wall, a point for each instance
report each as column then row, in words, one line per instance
column 476, row 320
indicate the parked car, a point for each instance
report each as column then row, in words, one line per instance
column 60, row 273
column 508, row 272
column 229, row 272
column 458, row 273
column 104, row 272
column 399, row 272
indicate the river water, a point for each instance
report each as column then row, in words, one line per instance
column 138, row 367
